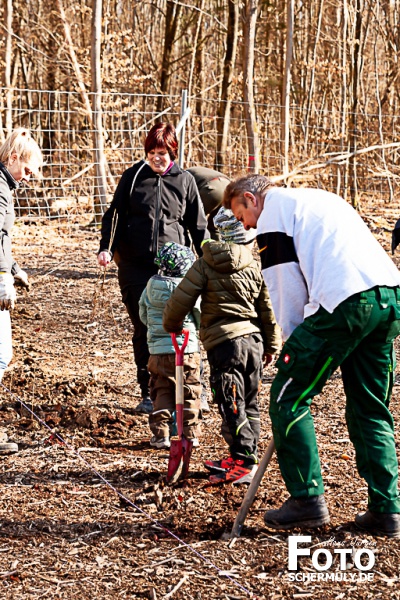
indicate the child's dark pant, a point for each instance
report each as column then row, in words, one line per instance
column 235, row 375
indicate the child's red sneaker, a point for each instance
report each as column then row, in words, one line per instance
column 219, row 465
column 237, row 474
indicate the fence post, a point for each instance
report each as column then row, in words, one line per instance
column 100, row 188
column 181, row 127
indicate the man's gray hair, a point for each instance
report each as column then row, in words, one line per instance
column 256, row 184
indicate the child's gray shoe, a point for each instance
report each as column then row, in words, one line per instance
column 7, row 447
column 145, row 406
column 157, row 442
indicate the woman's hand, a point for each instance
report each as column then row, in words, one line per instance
column 103, row 258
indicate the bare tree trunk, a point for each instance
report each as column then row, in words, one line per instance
column 200, row 76
column 343, row 104
column 355, row 83
column 390, row 10
column 310, row 96
column 249, row 34
column 381, row 134
column 51, row 132
column 8, row 10
column 100, row 198
column 224, row 107
column 286, row 85
column 171, row 27
column 357, row 64
column 74, row 61
column 195, row 48
column 195, row 56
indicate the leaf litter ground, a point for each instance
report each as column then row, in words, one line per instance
column 91, row 517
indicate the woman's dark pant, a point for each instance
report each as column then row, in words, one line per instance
column 133, row 276
column 131, row 296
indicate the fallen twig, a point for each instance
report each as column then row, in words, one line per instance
column 176, row 588
column 332, row 159
column 99, row 285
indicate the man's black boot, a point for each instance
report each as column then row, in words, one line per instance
column 387, row 524
column 299, row 512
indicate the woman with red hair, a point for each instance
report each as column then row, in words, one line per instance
column 156, row 202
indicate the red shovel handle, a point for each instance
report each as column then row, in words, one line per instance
column 180, row 350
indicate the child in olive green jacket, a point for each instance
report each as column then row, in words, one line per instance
column 238, row 331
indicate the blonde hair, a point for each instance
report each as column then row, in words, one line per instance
column 21, row 143
column 254, row 183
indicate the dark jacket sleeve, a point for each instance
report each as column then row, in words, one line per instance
column 270, row 330
column 195, row 219
column 118, row 207
column 115, row 208
column 183, row 298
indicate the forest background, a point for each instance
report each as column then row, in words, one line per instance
column 305, row 91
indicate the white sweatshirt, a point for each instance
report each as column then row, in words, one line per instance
column 316, row 251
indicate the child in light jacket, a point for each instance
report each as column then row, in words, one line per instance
column 173, row 261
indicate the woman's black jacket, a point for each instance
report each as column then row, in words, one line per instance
column 151, row 210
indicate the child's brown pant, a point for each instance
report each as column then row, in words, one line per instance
column 162, row 393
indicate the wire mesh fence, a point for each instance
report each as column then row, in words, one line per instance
column 320, row 153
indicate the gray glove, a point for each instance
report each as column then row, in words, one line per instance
column 7, row 291
column 21, row 278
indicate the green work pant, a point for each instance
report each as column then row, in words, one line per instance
column 358, row 336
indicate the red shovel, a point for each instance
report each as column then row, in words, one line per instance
column 181, row 449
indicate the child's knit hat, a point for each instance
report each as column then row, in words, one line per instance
column 230, row 229
column 174, row 260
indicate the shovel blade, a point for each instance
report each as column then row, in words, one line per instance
column 175, row 460
column 179, row 459
column 187, row 447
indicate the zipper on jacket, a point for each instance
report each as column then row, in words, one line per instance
column 157, row 220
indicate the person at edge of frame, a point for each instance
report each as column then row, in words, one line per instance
column 155, row 202
column 211, row 185
column 395, row 236
column 20, row 159
column 336, row 295
column 239, row 333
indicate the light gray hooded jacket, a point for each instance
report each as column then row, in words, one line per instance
column 151, row 306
